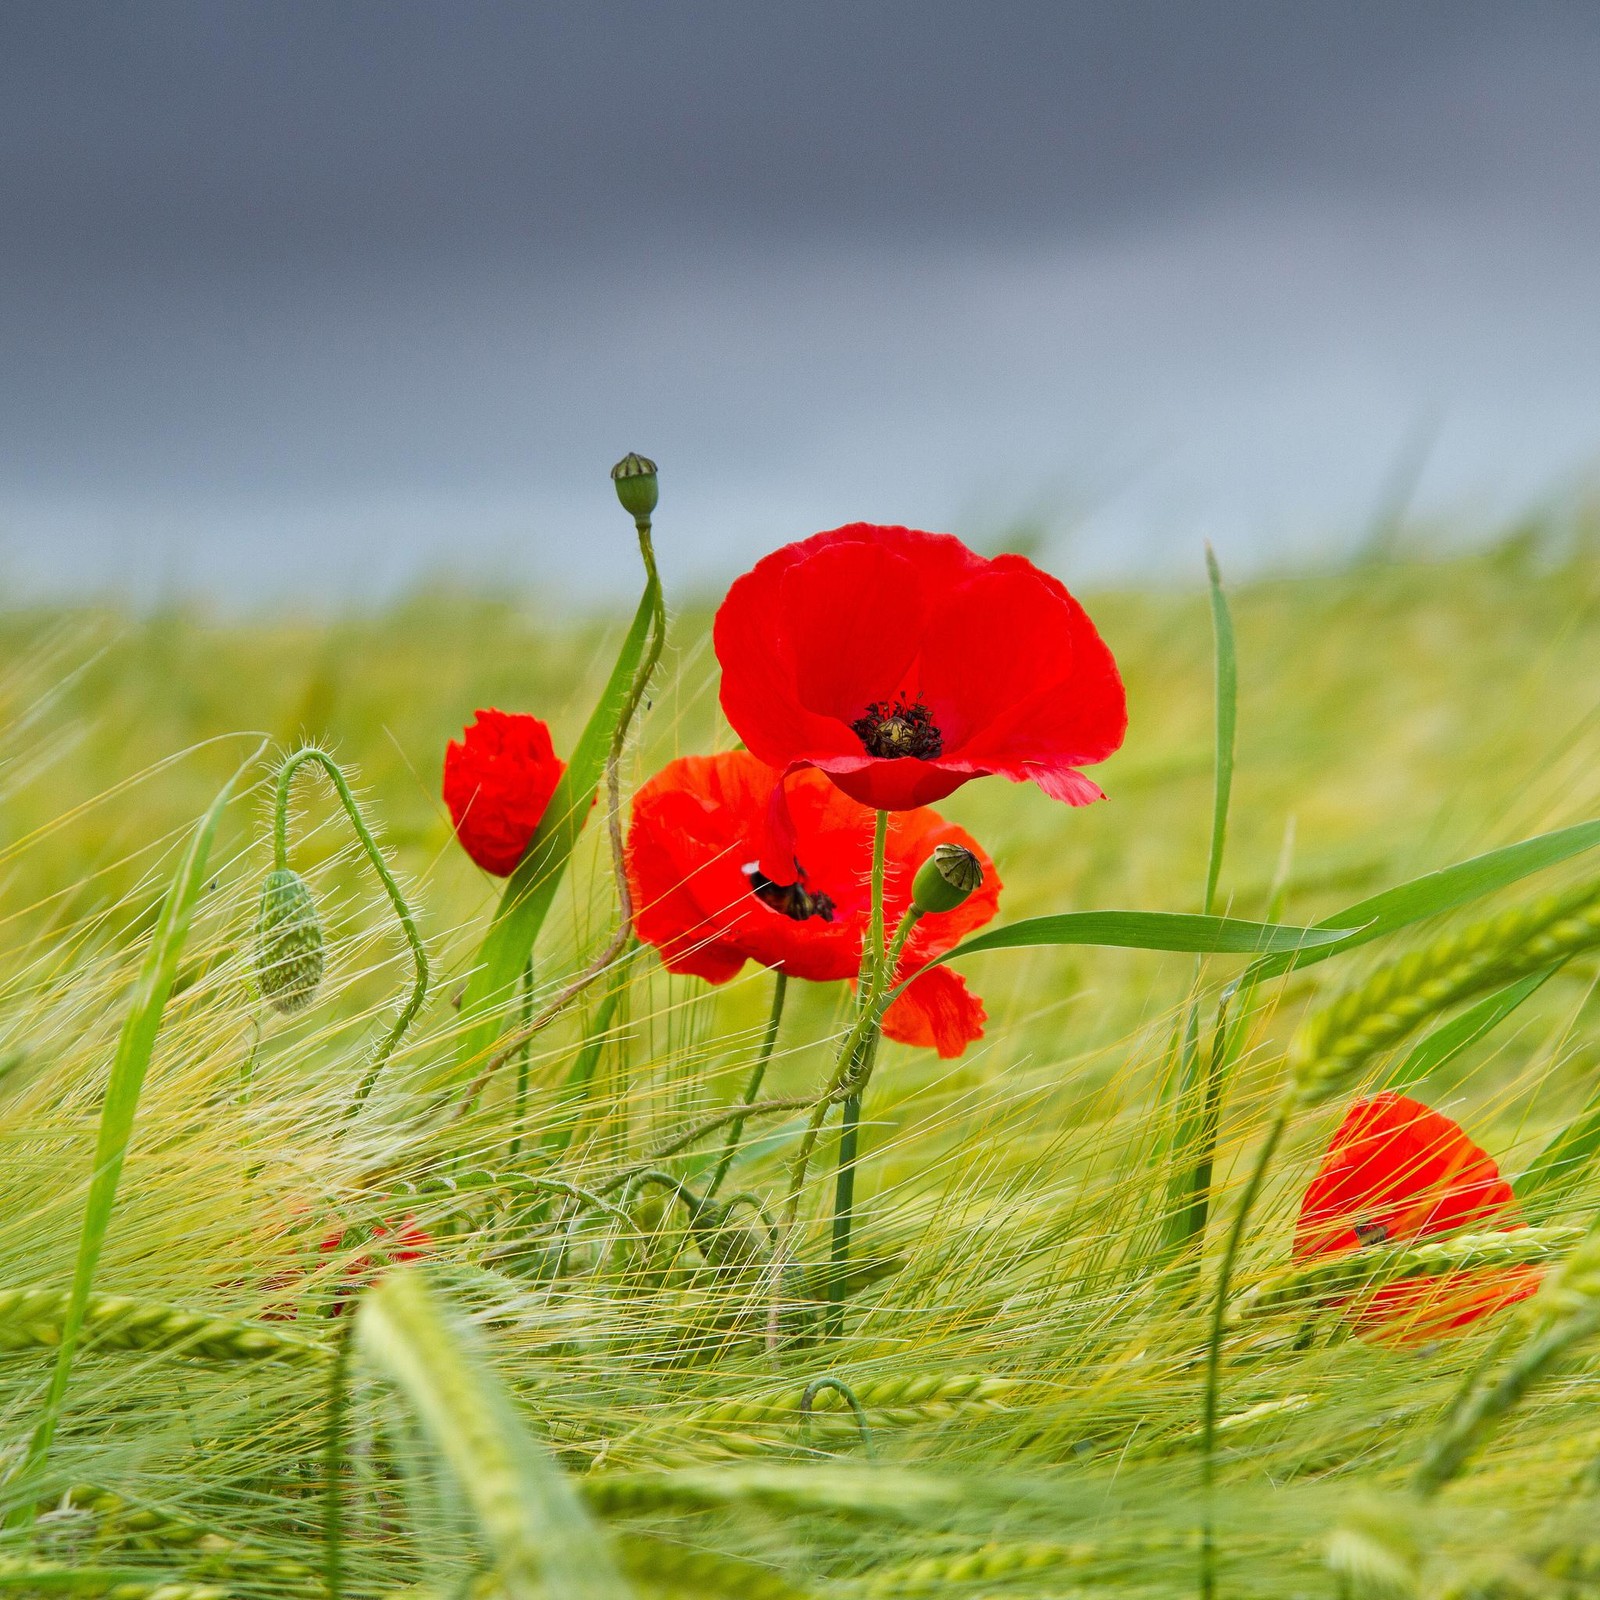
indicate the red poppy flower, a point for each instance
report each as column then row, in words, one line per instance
column 1395, row 1171
column 498, row 779
column 387, row 1247
column 902, row 664
column 698, row 834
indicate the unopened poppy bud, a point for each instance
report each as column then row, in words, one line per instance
column 289, row 950
column 635, row 478
column 945, row 879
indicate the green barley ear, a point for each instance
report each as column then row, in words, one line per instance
column 290, row 955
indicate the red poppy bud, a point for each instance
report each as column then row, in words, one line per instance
column 945, row 879
column 635, row 478
column 498, row 779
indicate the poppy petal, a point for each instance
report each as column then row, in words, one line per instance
column 1398, row 1170
column 938, row 1012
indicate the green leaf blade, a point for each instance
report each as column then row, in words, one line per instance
column 1226, row 674
column 1171, row 931
column 1437, row 892
column 531, row 889
column 135, row 1047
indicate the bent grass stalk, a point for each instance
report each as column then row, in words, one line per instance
column 313, row 756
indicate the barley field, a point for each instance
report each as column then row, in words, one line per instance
column 392, row 1290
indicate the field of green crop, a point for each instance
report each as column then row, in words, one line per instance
column 590, row 1385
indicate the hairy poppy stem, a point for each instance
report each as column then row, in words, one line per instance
column 858, row 1068
column 408, row 925
column 1219, row 1311
column 780, row 990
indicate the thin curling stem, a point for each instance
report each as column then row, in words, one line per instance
column 842, row 1389
column 780, row 990
column 419, row 956
column 1219, row 1311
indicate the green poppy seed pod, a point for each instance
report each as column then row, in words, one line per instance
column 945, row 879
column 289, row 952
column 635, row 478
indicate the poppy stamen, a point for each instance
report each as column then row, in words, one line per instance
column 890, row 730
column 790, row 900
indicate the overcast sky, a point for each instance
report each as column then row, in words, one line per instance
column 319, row 299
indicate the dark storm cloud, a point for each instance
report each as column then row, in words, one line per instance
column 326, row 295
column 142, row 134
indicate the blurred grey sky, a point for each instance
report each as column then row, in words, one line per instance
column 316, row 299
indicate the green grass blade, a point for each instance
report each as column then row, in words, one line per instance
column 1445, row 1043
column 1189, row 1186
column 135, row 1046
column 532, row 887
column 1441, row 891
column 1145, row 930
column 1226, row 672
column 542, row 1540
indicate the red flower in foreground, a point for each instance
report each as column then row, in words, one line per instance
column 698, row 833
column 498, row 779
column 902, row 664
column 1396, row 1171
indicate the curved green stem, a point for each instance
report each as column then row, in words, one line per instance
column 780, row 990
column 408, row 924
column 840, row 1387
column 1219, row 1308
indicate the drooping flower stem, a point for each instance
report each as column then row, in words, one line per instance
column 408, row 925
column 1219, row 1312
column 780, row 990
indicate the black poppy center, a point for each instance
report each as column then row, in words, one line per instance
column 790, row 900
column 1372, row 1232
column 894, row 729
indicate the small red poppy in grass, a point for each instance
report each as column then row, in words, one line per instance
column 1396, row 1171
column 386, row 1247
column 698, row 833
column 902, row 664
column 498, row 779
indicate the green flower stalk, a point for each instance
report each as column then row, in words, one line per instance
column 287, row 933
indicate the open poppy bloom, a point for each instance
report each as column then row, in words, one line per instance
column 498, row 779
column 695, row 844
column 902, row 664
column 1397, row 1171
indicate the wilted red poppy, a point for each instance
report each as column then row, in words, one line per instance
column 902, row 664
column 498, row 779
column 697, row 837
column 1395, row 1171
